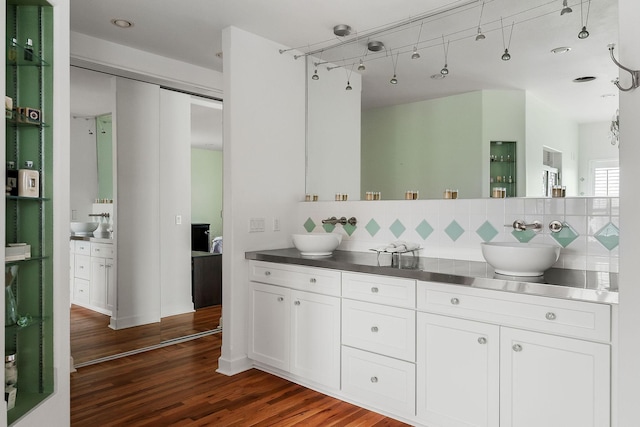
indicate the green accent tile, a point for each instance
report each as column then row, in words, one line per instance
column 523, row 236
column 372, row 227
column 566, row 235
column 424, row 229
column 397, row 228
column 328, row 227
column 487, row 231
column 309, row 225
column 608, row 236
column 349, row 228
column 454, row 230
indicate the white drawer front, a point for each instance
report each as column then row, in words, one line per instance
column 557, row 316
column 81, row 291
column 104, row 250
column 319, row 280
column 377, row 381
column 82, row 247
column 379, row 289
column 390, row 331
column 82, row 267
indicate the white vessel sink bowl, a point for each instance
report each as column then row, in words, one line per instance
column 316, row 244
column 520, row 259
column 84, row 228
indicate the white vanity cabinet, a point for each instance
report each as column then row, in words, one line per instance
column 93, row 284
column 295, row 321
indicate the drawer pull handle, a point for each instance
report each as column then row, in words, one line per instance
column 280, row 299
column 267, row 273
column 455, row 301
column 374, row 290
column 374, row 379
column 550, row 316
column 312, row 280
column 517, row 347
column 297, row 303
column 482, row 340
column 374, row 329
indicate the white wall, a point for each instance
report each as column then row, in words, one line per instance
column 546, row 127
column 137, row 201
column 84, row 173
column 333, row 133
column 264, row 151
column 175, row 200
column 595, row 144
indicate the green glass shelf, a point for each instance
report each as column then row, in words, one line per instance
column 14, row 119
column 33, row 322
column 20, row 261
column 25, row 402
column 26, row 199
column 16, row 56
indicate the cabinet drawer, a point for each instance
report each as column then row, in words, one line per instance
column 82, row 247
column 104, row 250
column 81, row 291
column 318, row 280
column 380, row 382
column 82, row 267
column 557, row 316
column 379, row 289
column 390, row 331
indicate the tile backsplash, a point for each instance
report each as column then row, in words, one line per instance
column 454, row 229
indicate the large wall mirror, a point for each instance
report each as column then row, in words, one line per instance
column 431, row 131
column 95, row 180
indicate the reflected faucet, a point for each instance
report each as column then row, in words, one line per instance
column 333, row 220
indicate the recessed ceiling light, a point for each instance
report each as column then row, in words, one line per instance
column 584, row 79
column 122, row 23
column 375, row 46
column 563, row 49
column 342, row 30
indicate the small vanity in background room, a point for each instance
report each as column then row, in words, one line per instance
column 438, row 343
column 92, row 275
column 206, row 279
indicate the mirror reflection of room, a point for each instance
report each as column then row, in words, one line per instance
column 105, row 322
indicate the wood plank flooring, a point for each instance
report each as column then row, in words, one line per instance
column 91, row 337
column 178, row 386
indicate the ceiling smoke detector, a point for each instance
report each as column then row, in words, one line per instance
column 375, row 46
column 342, row 30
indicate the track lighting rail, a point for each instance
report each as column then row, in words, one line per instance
column 635, row 74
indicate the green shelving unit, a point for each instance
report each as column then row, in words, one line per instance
column 29, row 82
column 502, row 167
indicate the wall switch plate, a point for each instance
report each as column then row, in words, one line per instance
column 256, row 225
column 276, row 224
column 178, row 219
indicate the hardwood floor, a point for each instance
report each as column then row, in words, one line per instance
column 178, row 386
column 91, row 337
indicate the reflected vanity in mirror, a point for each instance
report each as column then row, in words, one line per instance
column 430, row 132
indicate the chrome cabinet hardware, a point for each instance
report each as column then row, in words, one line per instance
column 482, row 340
column 374, row 379
column 280, row 299
column 267, row 273
column 374, row 290
column 550, row 316
column 455, row 301
column 517, row 347
column 297, row 303
column 374, row 329
column 312, row 280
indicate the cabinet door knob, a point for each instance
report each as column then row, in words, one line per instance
column 267, row 273
column 374, row 290
column 550, row 316
column 312, row 280
column 374, row 379
column 482, row 340
column 455, row 301
column 374, row 329
column 517, row 347
column 280, row 299
column 297, row 303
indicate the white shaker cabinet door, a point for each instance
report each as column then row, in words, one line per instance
column 457, row 372
column 552, row 381
column 315, row 338
column 98, row 282
column 269, row 325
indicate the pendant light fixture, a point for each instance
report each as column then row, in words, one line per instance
column 349, row 77
column 361, row 66
column 415, row 54
column 565, row 8
column 445, row 70
column 481, row 36
column 315, row 75
column 583, row 34
column 394, row 79
column 506, row 55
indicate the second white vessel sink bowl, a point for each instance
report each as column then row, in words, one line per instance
column 520, row 259
column 84, row 228
column 316, row 244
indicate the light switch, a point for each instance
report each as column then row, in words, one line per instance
column 178, row 219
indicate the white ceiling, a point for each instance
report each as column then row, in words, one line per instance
column 190, row 30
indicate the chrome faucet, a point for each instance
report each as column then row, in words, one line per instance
column 333, row 220
column 103, row 215
column 520, row 225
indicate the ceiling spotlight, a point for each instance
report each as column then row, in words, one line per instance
column 122, row 23
column 315, row 75
column 343, row 30
column 444, row 70
column 394, row 80
column 361, row 66
column 506, row 55
column 583, row 34
column 565, row 8
column 348, row 86
column 480, row 36
column 375, row 46
column 415, row 54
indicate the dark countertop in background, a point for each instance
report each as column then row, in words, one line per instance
column 584, row 285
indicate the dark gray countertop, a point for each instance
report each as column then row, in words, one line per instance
column 592, row 286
